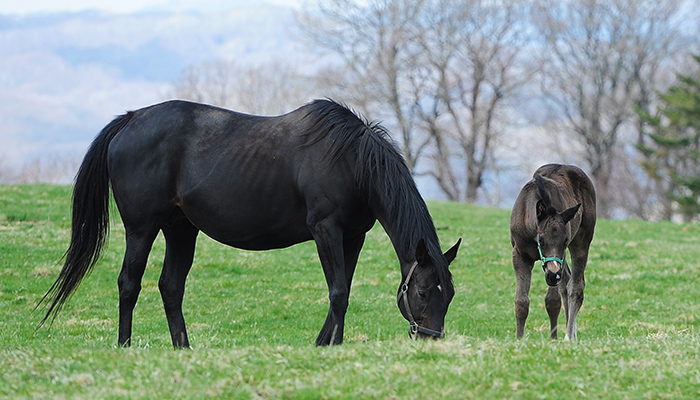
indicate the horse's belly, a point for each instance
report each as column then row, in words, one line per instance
column 261, row 238
column 250, row 225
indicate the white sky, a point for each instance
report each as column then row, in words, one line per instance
column 126, row 6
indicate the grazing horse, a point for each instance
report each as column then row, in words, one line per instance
column 318, row 173
column 555, row 210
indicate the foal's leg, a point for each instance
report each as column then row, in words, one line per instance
column 523, row 279
column 351, row 252
column 563, row 287
column 138, row 245
column 575, row 289
column 180, row 242
column 552, row 301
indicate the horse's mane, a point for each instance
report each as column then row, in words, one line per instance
column 381, row 175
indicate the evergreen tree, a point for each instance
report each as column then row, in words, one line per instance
column 673, row 150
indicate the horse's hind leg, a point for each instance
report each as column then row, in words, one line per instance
column 552, row 301
column 138, row 245
column 523, row 279
column 180, row 239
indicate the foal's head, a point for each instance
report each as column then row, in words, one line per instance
column 425, row 293
column 553, row 234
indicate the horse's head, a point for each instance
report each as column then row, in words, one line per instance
column 553, row 234
column 426, row 292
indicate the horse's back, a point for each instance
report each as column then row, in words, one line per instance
column 569, row 176
column 175, row 132
column 246, row 180
column 572, row 179
column 576, row 187
column 177, row 146
column 573, row 186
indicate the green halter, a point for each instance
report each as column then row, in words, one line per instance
column 546, row 259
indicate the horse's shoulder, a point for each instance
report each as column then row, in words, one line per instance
column 523, row 218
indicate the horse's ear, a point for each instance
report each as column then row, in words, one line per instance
column 452, row 253
column 544, row 204
column 422, row 253
column 542, row 191
column 569, row 214
column 541, row 210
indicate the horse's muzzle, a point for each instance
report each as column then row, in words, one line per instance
column 553, row 278
column 416, row 331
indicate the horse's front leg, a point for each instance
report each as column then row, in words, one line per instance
column 329, row 244
column 552, row 302
column 523, row 279
column 575, row 289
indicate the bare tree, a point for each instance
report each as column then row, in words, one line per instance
column 440, row 69
column 6, row 172
column 273, row 87
column 378, row 48
column 474, row 48
column 601, row 58
column 54, row 168
column 209, row 82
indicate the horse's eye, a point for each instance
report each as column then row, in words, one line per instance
column 421, row 293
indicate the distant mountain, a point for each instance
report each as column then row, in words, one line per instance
column 64, row 76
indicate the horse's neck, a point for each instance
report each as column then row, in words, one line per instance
column 405, row 224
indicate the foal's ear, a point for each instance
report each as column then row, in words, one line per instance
column 569, row 214
column 544, row 204
column 422, row 253
column 542, row 191
column 541, row 210
column 452, row 253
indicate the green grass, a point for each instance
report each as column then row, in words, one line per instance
column 253, row 318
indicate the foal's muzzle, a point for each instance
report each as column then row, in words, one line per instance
column 553, row 278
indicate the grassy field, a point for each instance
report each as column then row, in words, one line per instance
column 253, row 318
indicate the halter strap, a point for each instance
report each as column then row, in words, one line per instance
column 415, row 328
column 547, row 259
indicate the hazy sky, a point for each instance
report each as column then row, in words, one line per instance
column 127, row 6
column 62, row 78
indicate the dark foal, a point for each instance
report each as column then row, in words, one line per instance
column 555, row 210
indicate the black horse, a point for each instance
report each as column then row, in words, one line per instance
column 555, row 210
column 320, row 172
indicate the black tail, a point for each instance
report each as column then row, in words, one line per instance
column 90, row 225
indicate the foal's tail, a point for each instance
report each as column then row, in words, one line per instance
column 90, row 225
